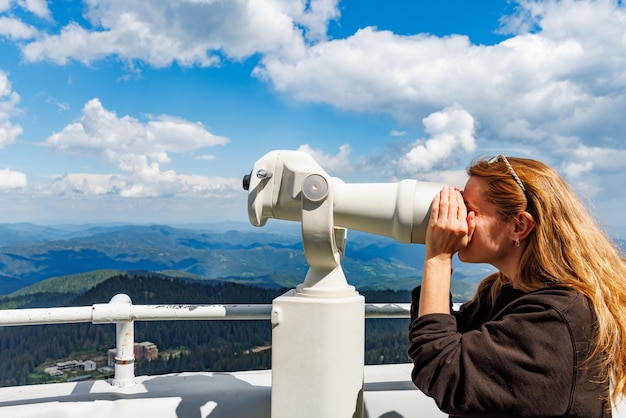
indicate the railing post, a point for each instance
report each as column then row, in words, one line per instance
column 125, row 345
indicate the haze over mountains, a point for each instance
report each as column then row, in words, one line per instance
column 268, row 257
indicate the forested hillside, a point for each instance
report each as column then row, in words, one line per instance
column 200, row 345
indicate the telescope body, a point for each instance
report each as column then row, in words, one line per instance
column 399, row 210
column 318, row 329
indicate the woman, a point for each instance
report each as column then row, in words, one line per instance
column 545, row 336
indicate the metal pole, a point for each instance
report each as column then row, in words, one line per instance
column 40, row 316
column 104, row 313
column 125, row 345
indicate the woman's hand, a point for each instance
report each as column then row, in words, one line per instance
column 448, row 228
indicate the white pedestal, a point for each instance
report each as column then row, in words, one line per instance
column 317, row 355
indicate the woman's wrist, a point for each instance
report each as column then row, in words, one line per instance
column 438, row 266
column 435, row 292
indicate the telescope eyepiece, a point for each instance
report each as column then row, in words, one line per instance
column 246, row 181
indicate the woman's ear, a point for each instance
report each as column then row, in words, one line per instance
column 524, row 224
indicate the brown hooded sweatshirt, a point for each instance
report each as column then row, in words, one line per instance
column 525, row 356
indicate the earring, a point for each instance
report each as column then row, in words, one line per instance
column 517, row 242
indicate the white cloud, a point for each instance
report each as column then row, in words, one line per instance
column 16, row 29
column 592, row 170
column 83, row 183
column 371, row 70
column 138, row 149
column 456, row 178
column 8, row 108
column 315, row 18
column 101, row 133
column 37, row 7
column 575, row 170
column 566, row 79
column 60, row 106
column 9, row 132
column 451, row 132
column 562, row 19
column 339, row 163
column 189, row 32
column 558, row 91
column 556, row 87
column 395, row 132
column 601, row 159
column 12, row 179
column 123, row 185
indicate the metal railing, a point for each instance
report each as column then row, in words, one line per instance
column 107, row 313
column 120, row 311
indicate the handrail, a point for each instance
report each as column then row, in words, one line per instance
column 111, row 313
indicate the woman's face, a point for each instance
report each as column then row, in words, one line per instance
column 490, row 241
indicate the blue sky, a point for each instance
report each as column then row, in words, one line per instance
column 142, row 112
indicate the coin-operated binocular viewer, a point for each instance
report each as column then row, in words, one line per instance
column 318, row 328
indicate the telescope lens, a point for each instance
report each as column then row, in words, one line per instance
column 246, row 181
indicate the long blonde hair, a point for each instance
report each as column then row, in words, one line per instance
column 566, row 248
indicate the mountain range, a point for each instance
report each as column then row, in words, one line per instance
column 66, row 256
column 267, row 257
